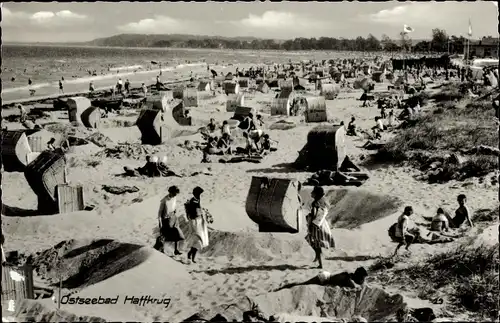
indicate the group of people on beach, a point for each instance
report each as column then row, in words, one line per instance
column 256, row 141
column 169, row 223
column 405, row 233
column 318, row 236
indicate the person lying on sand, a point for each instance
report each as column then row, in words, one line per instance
column 164, row 170
column 325, row 278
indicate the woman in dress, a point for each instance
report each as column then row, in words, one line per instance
column 198, row 222
column 319, row 234
column 169, row 221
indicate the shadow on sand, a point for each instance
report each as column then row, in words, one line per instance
column 278, row 168
column 94, row 245
column 99, row 266
column 13, row 211
column 353, row 258
column 241, row 270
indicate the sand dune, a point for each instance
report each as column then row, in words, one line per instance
column 371, row 303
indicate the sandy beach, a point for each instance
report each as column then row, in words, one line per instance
column 239, row 261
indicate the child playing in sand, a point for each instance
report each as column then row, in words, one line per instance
column 212, row 126
column 440, row 221
column 259, row 123
column 351, row 127
column 225, row 128
column 319, row 234
column 325, row 278
column 266, row 145
column 50, row 144
column 248, row 144
column 224, row 144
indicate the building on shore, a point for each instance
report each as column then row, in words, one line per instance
column 486, row 47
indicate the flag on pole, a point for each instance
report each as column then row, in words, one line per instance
column 470, row 29
column 407, row 29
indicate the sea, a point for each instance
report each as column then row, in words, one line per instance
column 46, row 65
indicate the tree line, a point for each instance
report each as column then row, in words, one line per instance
column 439, row 42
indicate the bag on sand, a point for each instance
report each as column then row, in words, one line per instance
column 392, row 232
column 159, row 243
column 190, row 213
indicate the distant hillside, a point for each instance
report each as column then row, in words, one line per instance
column 175, row 40
column 369, row 43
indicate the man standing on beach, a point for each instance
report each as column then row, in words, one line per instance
column 22, row 113
column 127, row 86
column 119, row 85
column 61, row 88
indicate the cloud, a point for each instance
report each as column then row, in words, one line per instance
column 421, row 14
column 278, row 20
column 9, row 17
column 40, row 18
column 157, row 25
column 56, row 18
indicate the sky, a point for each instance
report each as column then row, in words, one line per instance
column 75, row 21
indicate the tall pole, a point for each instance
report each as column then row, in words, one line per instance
column 468, row 50
column 404, row 52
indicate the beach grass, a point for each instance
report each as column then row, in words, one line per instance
column 448, row 129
